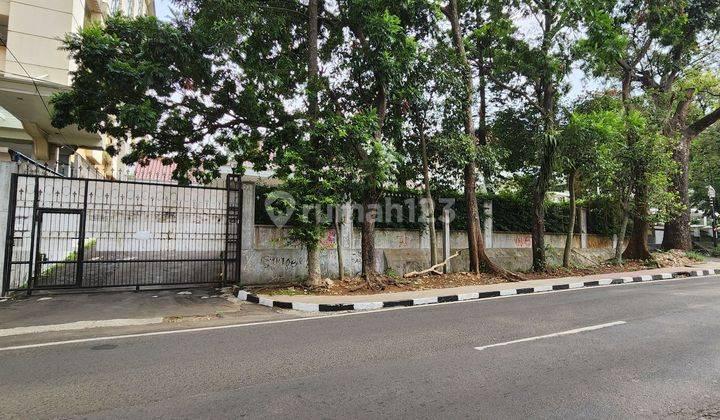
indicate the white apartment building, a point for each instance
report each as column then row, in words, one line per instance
column 33, row 67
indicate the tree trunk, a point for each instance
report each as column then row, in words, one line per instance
column 482, row 130
column 313, row 260
column 546, row 98
column 313, row 67
column 623, row 229
column 539, row 193
column 637, row 248
column 473, row 218
column 314, row 278
column 428, row 195
column 476, row 245
column 538, row 232
column 371, row 196
column 572, row 178
column 677, row 230
column 338, row 243
column 370, row 206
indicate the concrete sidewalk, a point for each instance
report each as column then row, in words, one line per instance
column 158, row 309
column 468, row 290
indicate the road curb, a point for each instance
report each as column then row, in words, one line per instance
column 364, row 306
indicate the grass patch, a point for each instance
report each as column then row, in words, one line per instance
column 695, row 256
column 288, row 291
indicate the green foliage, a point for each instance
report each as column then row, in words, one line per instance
column 705, row 166
column 227, row 83
column 695, row 256
column 129, row 73
column 515, row 131
column 604, row 215
column 715, row 252
column 587, row 131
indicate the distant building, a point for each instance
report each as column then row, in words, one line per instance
column 156, row 171
column 33, row 67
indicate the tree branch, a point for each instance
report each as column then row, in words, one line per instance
column 518, row 92
column 703, row 123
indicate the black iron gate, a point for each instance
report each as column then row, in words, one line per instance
column 93, row 233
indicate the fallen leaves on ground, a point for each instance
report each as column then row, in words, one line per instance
column 386, row 284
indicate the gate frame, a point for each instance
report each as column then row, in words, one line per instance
column 35, row 246
column 237, row 209
column 237, row 212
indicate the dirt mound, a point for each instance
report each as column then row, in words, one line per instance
column 674, row 258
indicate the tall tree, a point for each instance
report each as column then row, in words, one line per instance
column 594, row 126
column 534, row 71
column 222, row 83
column 313, row 259
column 382, row 46
column 662, row 47
column 476, row 244
column 212, row 88
column 683, row 51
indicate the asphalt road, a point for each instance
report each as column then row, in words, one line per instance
column 663, row 361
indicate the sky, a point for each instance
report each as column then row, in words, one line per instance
column 162, row 9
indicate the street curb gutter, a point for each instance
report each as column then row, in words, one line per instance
column 364, row 306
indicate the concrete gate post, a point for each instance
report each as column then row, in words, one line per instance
column 446, row 238
column 583, row 228
column 488, row 225
column 248, row 215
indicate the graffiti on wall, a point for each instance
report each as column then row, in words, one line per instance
column 275, row 262
column 523, row 241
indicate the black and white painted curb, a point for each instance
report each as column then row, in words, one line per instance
column 364, row 306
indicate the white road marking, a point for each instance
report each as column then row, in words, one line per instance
column 558, row 334
column 170, row 332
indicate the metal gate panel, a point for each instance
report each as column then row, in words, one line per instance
column 57, row 247
column 120, row 233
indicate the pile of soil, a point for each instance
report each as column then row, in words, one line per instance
column 630, row 265
column 674, row 258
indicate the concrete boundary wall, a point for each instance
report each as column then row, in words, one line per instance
column 275, row 259
column 267, row 254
